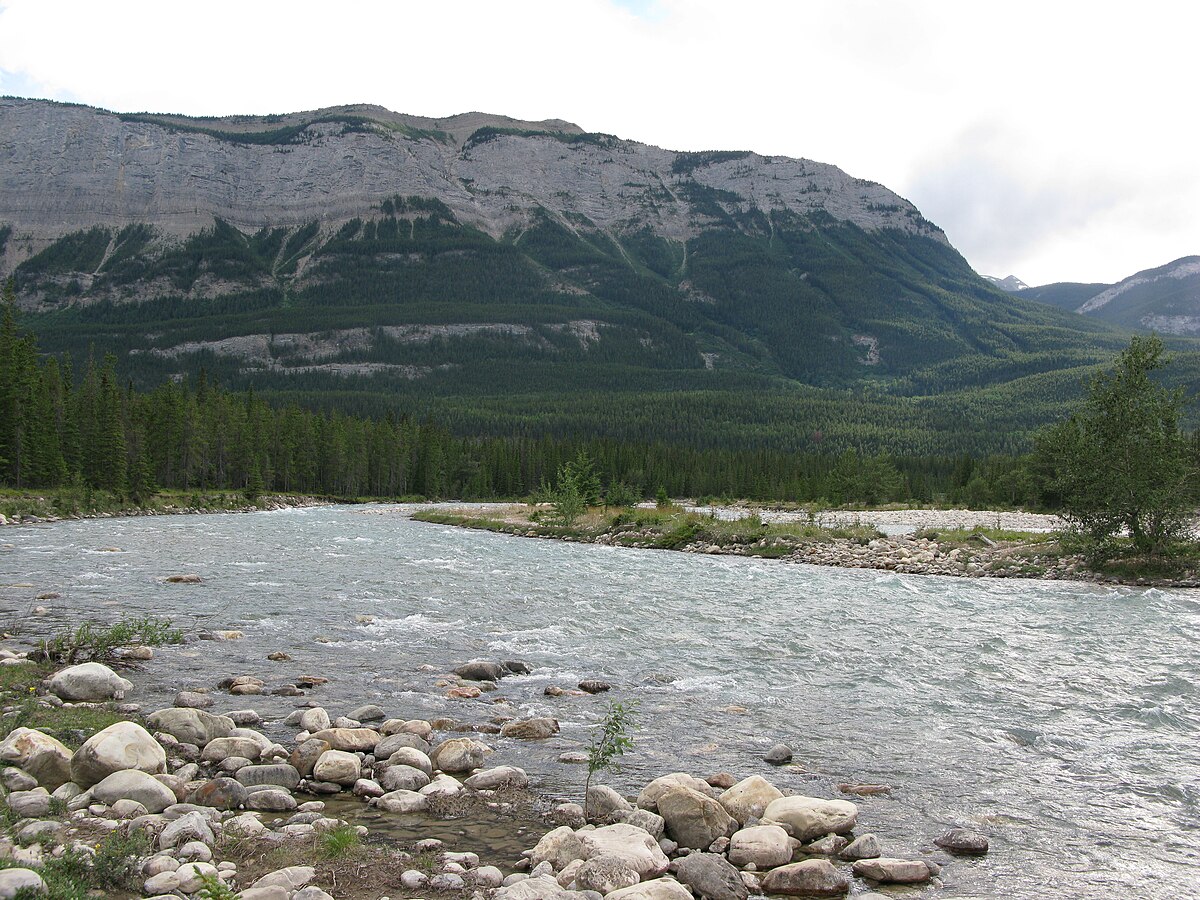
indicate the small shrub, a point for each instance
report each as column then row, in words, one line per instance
column 611, row 740
column 89, row 642
column 339, row 842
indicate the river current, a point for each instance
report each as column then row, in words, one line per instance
column 1061, row 719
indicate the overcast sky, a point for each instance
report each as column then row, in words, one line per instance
column 1052, row 140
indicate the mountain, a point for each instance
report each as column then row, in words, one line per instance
column 1066, row 295
column 1010, row 285
column 500, row 274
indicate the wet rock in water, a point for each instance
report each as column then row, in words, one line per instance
column 368, row 713
column 722, row 781
column 749, row 798
column 219, row 793
column 534, row 729
column 305, row 756
column 466, row 692
column 89, row 682
column 893, row 871
column 963, row 841
column 315, row 719
column 278, row 656
column 402, row 778
column 763, row 846
column 287, row 690
column 45, row 758
column 830, row 845
column 193, row 700
column 138, row 654
column 864, row 846
column 517, row 667
column 693, row 819
column 417, row 727
column 352, row 740
column 603, row 801
column 458, row 755
column 808, row 818
column 184, row 579
column 123, row 745
column 567, row 814
column 490, row 779
column 403, row 802
column 480, row 670
column 779, row 754
column 441, row 786
column 190, row 725
column 633, row 845
column 864, row 790
column 812, row 877
column 310, row 681
column 338, row 767
column 573, row 757
column 711, row 877
column 132, row 784
column 243, row 718
column 605, row 874
column 594, row 686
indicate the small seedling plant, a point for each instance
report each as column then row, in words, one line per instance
column 610, row 740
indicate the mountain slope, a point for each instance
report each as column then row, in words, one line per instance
column 481, row 267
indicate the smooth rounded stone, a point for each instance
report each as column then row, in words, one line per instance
column 418, row 727
column 442, row 785
column 458, row 755
column 642, row 818
column 368, row 713
column 447, row 881
column 722, row 781
column 191, row 875
column 133, row 784
column 603, row 802
column 367, row 788
column 231, row 765
column 323, row 787
column 711, row 877
column 830, row 845
column 338, row 767
column 402, row 778
column 637, row 847
column 193, row 700
column 281, row 774
column 808, row 818
column 156, row 865
column 42, row 757
column 487, row 876
column 270, row 800
column 184, row 830
column 410, row 756
column 243, row 718
column 122, row 745
column 292, row 719
column 558, row 847
column 541, row 887
column 66, row 791
column 658, row 889
column 573, row 757
column 221, row 748
column 693, row 819
column 393, row 742
column 490, row 779
column 893, row 871
column 15, row 779
column 763, row 846
column 305, row 756
column 194, row 851
column 480, row 670
column 779, row 755
column 749, row 798
column 534, row 729
column 34, row 804
column 648, row 798
column 292, row 878
column 161, row 883
column 315, row 719
column 605, row 874
column 567, row 814
column 37, row 831
column 865, row 846
column 963, row 841
column 594, row 686
column 311, row 893
column 812, row 877
column 245, row 825
column 348, row 740
column 220, row 793
column 91, row 682
column 412, row 880
column 402, row 802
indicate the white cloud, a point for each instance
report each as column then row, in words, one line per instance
column 1050, row 140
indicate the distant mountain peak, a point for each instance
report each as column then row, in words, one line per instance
column 1012, row 283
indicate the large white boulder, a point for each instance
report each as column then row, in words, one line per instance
column 458, row 755
column 45, row 758
column 191, row 726
column 659, row 889
column 133, row 784
column 648, row 798
column 338, row 767
column 693, row 819
column 558, row 847
column 90, row 682
column 764, row 846
column 808, row 818
column 749, row 797
column 123, row 745
column 635, row 846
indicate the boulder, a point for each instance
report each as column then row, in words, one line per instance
column 90, row 682
column 123, row 745
column 305, row 756
column 659, row 889
column 30, row 804
column 811, row 878
column 693, row 819
column 763, row 846
column 594, row 686
column 220, row 749
column 646, row 820
column 535, row 729
column 291, row 879
column 542, row 887
column 315, row 719
column 807, row 818
column 402, row 802
column 401, row 778
column 893, row 871
column 193, row 700
column 711, row 877
column 490, row 779
column 864, row 846
column 220, row 793
column 749, row 798
column 558, row 847
column 648, row 798
column 132, row 784
column 636, row 847
column 349, row 740
column 410, row 756
column 368, row 713
column 279, row 774
column 394, row 742
column 20, row 881
column 605, row 874
column 45, row 758
column 270, row 800
column 960, row 840
column 779, row 754
column 190, row 725
column 458, row 755
column 480, row 670
column 603, row 802
column 186, row 829
column 338, row 767
column 830, row 845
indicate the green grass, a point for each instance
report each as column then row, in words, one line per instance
column 76, row 875
column 339, row 842
column 959, row 536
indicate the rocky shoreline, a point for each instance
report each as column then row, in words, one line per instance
column 218, row 809
column 263, row 504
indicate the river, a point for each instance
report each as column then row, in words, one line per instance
column 1061, row 719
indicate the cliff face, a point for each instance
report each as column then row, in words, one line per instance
column 66, row 168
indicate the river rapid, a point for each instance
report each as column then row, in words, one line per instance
column 1060, row 719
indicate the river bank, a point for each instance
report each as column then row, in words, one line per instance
column 188, row 801
column 33, row 508
column 962, row 543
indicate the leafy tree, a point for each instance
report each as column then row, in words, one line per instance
column 1121, row 463
column 611, row 740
